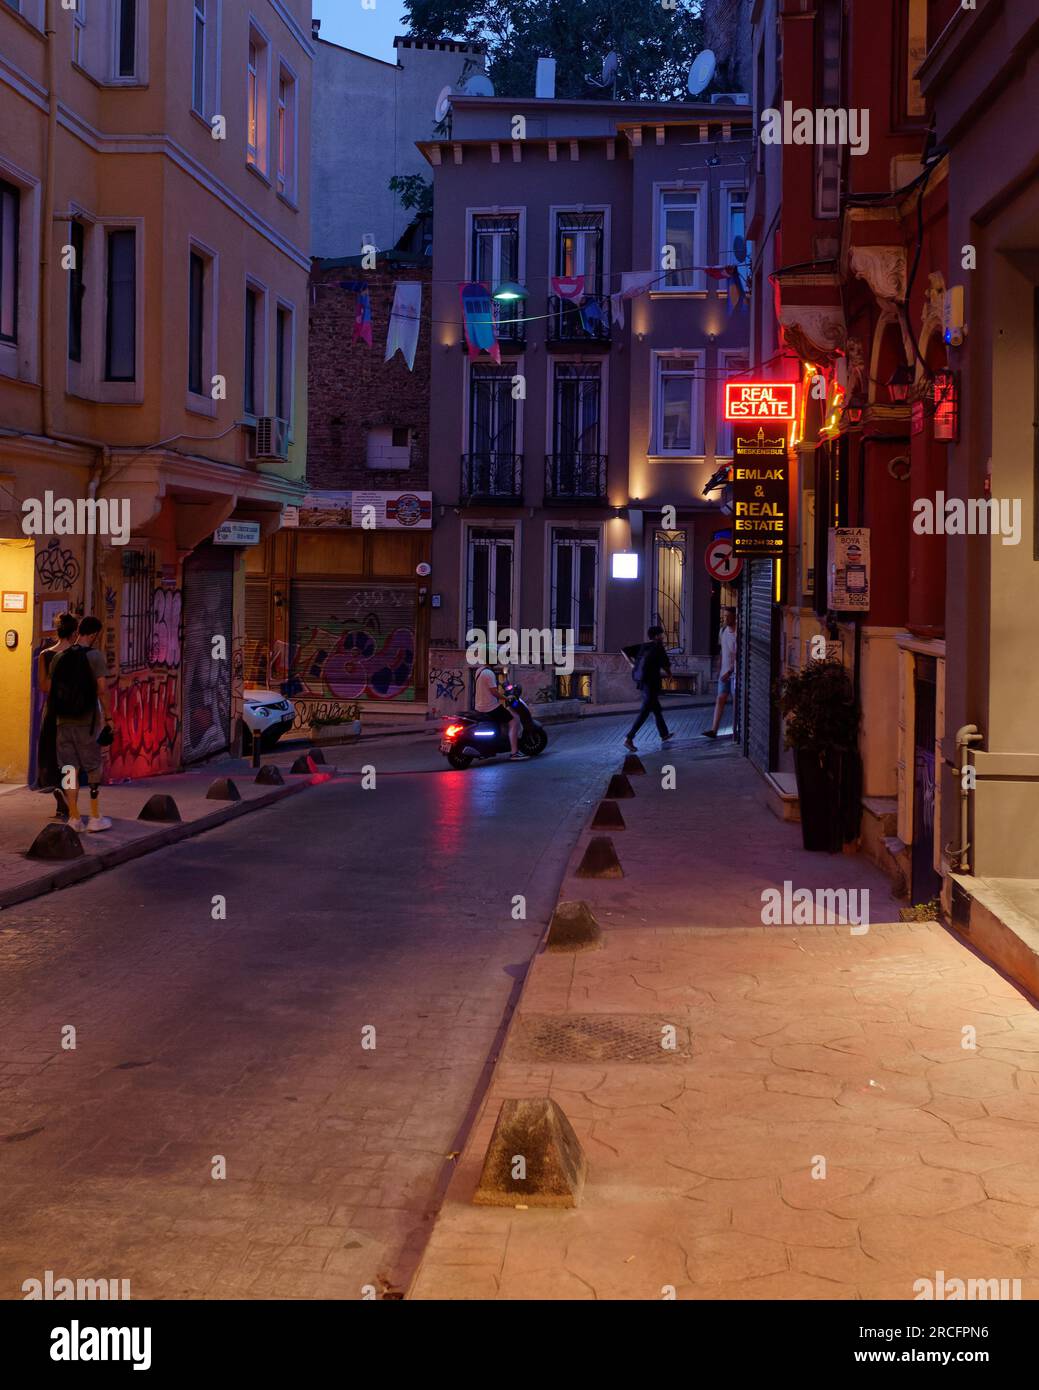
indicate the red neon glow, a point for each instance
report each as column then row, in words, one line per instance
column 453, row 730
column 760, row 400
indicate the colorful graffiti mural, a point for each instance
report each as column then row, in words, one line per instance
column 167, row 605
column 365, row 651
column 146, row 726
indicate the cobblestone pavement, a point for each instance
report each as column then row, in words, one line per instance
column 202, row 1039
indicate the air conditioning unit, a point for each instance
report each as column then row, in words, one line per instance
column 730, row 98
column 272, row 438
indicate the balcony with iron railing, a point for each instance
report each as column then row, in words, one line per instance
column 510, row 322
column 573, row 477
column 492, row 477
column 583, row 322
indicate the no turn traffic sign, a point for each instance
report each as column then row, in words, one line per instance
column 720, row 561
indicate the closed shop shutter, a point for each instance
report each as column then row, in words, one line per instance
column 208, row 606
column 757, row 642
column 257, row 632
column 352, row 641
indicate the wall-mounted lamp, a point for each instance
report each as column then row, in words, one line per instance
column 899, row 382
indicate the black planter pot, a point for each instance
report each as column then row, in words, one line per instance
column 822, row 792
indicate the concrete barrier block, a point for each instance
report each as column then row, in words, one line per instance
column 534, row 1158
column 600, row 859
column 573, row 928
column 270, row 776
column 223, row 789
column 619, row 787
column 160, row 807
column 56, row 842
column 633, row 766
column 608, row 817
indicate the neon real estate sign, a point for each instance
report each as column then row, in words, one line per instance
column 772, row 401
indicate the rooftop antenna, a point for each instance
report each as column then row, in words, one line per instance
column 701, row 72
column 478, row 84
column 610, row 64
column 442, row 112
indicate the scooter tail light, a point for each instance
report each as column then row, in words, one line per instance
column 453, row 730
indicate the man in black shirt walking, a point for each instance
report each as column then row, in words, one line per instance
column 651, row 662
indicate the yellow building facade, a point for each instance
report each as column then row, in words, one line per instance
column 154, row 237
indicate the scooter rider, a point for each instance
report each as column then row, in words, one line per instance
column 492, row 702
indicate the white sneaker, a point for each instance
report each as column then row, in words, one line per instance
column 96, row 823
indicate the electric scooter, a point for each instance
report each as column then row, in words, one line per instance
column 470, row 737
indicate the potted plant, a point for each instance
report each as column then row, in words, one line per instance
column 822, row 726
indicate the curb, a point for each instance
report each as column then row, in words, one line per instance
column 505, row 1033
column 90, row 865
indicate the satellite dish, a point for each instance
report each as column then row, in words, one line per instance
column 739, row 249
column 701, row 72
column 443, row 105
column 609, row 68
column 478, row 85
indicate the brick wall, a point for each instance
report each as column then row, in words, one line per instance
column 353, row 390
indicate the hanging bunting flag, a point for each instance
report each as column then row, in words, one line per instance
column 719, row 272
column 478, row 321
column 363, row 318
column 617, row 308
column 568, row 286
column 402, row 334
column 634, row 282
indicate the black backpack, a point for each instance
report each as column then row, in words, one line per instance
column 73, row 692
column 638, row 671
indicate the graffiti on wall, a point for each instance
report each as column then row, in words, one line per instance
column 167, row 606
column 56, row 568
column 356, row 655
column 313, row 713
column 146, row 726
column 448, row 682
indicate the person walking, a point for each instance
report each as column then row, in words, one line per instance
column 79, row 690
column 650, row 664
column 727, row 676
column 48, row 772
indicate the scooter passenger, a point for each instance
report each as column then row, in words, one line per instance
column 492, row 703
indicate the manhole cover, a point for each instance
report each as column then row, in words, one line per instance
column 597, row 1038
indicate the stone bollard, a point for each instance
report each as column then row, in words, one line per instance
column 160, row 807
column 223, row 789
column 535, row 1137
column 600, row 859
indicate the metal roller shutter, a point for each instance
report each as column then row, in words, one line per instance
column 257, row 632
column 757, row 642
column 208, row 607
column 352, row 641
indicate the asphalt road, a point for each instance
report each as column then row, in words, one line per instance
column 264, row 1103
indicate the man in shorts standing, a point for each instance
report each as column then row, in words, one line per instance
column 79, row 693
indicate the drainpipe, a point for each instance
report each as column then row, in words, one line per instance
column 47, row 231
column 958, row 855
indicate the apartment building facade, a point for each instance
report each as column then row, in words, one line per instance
column 569, row 476
column 153, row 280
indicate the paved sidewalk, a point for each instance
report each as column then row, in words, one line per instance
column 826, row 1136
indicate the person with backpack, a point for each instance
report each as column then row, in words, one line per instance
column 79, row 687
column 651, row 661
column 48, row 773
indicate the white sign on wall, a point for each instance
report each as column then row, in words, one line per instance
column 847, row 570
column 237, row 533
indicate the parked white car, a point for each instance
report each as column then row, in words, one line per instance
column 267, row 715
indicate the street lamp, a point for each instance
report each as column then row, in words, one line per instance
column 509, row 293
column 900, row 381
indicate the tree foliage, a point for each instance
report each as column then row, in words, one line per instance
column 655, row 44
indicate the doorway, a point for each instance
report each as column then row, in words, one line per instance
column 17, row 580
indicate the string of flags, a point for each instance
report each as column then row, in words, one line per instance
column 478, row 322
